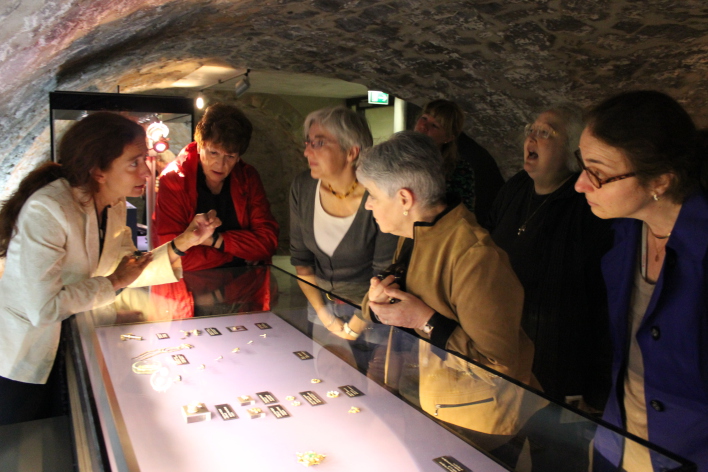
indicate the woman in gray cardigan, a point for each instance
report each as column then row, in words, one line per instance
column 335, row 243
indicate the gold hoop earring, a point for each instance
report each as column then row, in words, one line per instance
column 656, row 197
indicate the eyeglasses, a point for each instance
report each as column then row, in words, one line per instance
column 594, row 178
column 539, row 131
column 315, row 144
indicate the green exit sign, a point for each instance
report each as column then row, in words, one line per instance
column 378, row 98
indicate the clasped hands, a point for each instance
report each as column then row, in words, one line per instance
column 395, row 307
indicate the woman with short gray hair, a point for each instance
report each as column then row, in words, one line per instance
column 453, row 286
column 335, row 243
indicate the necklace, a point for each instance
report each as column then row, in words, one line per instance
column 522, row 228
column 349, row 192
column 656, row 243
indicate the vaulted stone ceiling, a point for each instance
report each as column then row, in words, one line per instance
column 501, row 60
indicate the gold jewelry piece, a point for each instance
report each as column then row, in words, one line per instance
column 315, row 381
column 295, row 403
column 125, row 337
column 263, row 335
column 309, row 458
column 342, row 197
column 333, row 394
column 236, row 349
column 354, row 410
column 202, row 367
column 656, row 197
column 405, row 213
column 249, row 342
column 219, row 358
column 146, row 368
column 290, row 398
column 155, row 352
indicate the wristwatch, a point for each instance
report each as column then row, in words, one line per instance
column 429, row 325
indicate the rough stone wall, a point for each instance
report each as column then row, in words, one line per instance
column 500, row 60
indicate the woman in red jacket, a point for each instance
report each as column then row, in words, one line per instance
column 210, row 173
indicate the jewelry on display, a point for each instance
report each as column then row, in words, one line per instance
column 125, row 337
column 146, row 368
column 333, row 394
column 315, row 381
column 350, row 331
column 160, row 381
column 236, row 349
column 295, row 403
column 195, row 412
column 309, row 458
column 342, row 197
column 219, row 358
column 290, row 398
column 190, row 332
column 245, row 400
column 155, row 352
column 177, row 251
column 249, row 342
column 354, row 410
column 255, row 413
column 264, row 335
column 201, row 367
column 178, row 378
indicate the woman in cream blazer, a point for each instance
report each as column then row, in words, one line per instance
column 67, row 250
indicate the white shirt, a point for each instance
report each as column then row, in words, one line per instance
column 329, row 230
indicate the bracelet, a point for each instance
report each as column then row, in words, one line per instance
column 215, row 239
column 177, row 251
column 350, row 331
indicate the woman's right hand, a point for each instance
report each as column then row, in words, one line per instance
column 377, row 287
column 199, row 230
column 129, row 269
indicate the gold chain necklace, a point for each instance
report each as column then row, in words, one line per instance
column 342, row 197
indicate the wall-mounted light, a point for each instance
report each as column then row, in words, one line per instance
column 161, row 145
column 200, row 101
column 242, row 85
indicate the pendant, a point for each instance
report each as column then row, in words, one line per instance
column 521, row 230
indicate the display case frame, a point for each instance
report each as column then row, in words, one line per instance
column 108, row 438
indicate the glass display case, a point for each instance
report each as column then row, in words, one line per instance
column 224, row 370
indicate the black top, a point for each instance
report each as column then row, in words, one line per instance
column 224, row 206
column 557, row 259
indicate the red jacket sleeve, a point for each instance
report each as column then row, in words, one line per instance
column 258, row 238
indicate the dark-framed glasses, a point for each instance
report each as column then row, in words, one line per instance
column 315, row 143
column 595, row 179
column 539, row 131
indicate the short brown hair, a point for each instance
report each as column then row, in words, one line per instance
column 225, row 126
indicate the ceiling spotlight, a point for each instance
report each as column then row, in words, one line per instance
column 200, row 102
column 242, row 85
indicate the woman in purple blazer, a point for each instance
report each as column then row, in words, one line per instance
column 644, row 164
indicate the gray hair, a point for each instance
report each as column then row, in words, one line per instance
column 408, row 160
column 350, row 128
column 573, row 119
